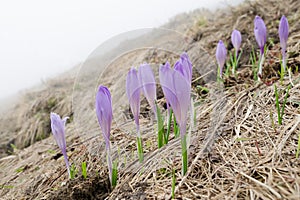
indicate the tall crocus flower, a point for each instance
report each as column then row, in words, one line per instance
column 184, row 66
column 283, row 32
column 147, row 82
column 221, row 53
column 58, row 130
column 236, row 39
column 133, row 90
column 260, row 32
column 177, row 91
column 104, row 114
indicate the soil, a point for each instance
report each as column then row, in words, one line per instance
column 237, row 148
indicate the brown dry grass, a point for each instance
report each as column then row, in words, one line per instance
column 237, row 149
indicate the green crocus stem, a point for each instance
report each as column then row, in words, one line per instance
column 160, row 127
column 114, row 174
column 140, row 149
column 184, row 154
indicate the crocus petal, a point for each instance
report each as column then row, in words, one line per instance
column 177, row 91
column 236, row 39
column 283, row 32
column 103, row 106
column 147, row 82
column 184, row 66
column 58, row 130
column 133, row 93
column 221, row 53
column 260, row 32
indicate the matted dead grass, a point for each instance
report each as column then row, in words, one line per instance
column 237, row 149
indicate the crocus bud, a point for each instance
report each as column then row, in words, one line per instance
column 221, row 53
column 260, row 32
column 184, row 66
column 58, row 130
column 283, row 36
column 147, row 82
column 104, row 112
column 236, row 39
column 133, row 89
column 178, row 93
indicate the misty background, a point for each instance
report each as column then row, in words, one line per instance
column 41, row 39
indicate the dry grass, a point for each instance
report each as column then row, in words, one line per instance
column 237, row 149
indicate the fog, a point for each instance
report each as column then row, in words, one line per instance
column 40, row 39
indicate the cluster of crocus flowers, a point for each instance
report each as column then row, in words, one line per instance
column 176, row 85
column 58, row 130
column 260, row 32
column 104, row 114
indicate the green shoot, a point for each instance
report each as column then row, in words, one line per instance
column 83, row 168
column 174, row 182
column 254, row 64
column 281, row 73
column 20, row 169
column 280, row 112
column 114, row 174
column 234, row 59
column 202, row 89
column 298, row 149
column 227, row 70
column 73, row 171
column 160, row 127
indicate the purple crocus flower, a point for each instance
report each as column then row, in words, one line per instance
column 147, row 82
column 184, row 66
column 283, row 36
column 177, row 92
column 260, row 32
column 221, row 53
column 104, row 112
column 133, row 90
column 58, row 130
column 236, row 39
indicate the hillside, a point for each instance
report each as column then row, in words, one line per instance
column 237, row 149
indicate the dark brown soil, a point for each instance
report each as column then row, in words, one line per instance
column 92, row 188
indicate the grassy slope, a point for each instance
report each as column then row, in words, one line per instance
column 261, row 166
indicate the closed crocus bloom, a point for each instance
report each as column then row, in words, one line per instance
column 147, row 82
column 283, row 36
column 104, row 112
column 221, row 53
column 58, row 130
column 133, row 89
column 260, row 32
column 177, row 92
column 283, row 32
column 184, row 66
column 236, row 39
